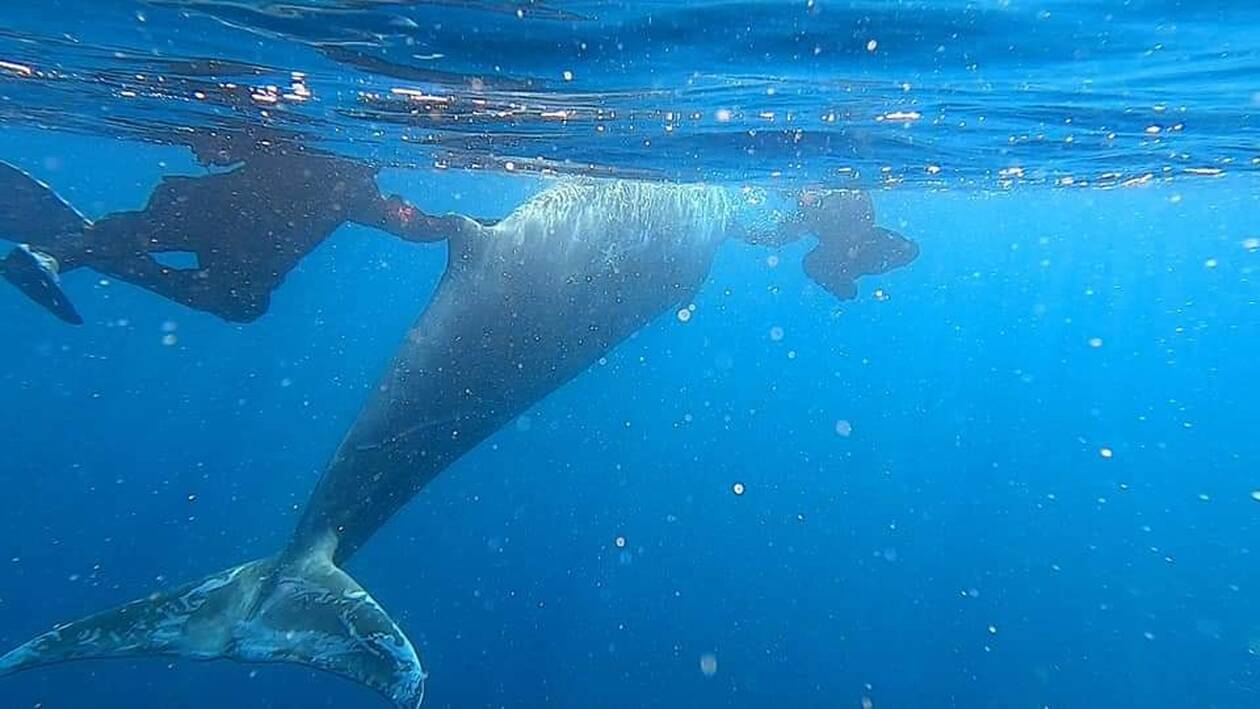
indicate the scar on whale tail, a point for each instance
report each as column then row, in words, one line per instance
column 305, row 611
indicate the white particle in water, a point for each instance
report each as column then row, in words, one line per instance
column 169, row 340
column 871, row 45
column 1251, row 244
column 1105, row 452
column 992, row 630
column 738, row 488
column 776, row 334
column 1255, row 495
column 620, row 542
column 1095, row 342
column 684, row 315
column 723, row 115
column 708, row 664
column 568, row 75
column 844, row 429
column 772, row 261
column 1210, row 263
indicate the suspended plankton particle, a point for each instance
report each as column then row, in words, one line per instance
column 620, row 542
column 1211, row 263
column 568, row 75
column 776, row 334
column 684, row 314
column 708, row 664
column 844, row 429
column 905, row 116
column 19, row 69
column 738, row 489
column 871, row 45
column 1095, row 342
column 1106, row 452
column 169, row 339
column 723, row 115
column 1255, row 495
column 1251, row 244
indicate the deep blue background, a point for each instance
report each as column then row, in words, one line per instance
column 966, row 546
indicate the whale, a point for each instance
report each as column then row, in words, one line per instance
column 523, row 306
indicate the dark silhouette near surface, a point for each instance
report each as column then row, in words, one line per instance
column 245, row 227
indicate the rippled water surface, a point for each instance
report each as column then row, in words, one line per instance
column 978, row 94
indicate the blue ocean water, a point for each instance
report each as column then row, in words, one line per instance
column 1021, row 472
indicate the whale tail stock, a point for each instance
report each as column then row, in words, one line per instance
column 305, row 611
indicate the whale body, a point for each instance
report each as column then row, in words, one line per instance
column 523, row 307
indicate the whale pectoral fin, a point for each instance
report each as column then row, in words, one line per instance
column 34, row 274
column 30, row 211
column 312, row 614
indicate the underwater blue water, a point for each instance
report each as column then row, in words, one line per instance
column 1046, row 494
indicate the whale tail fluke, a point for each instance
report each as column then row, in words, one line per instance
column 310, row 613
